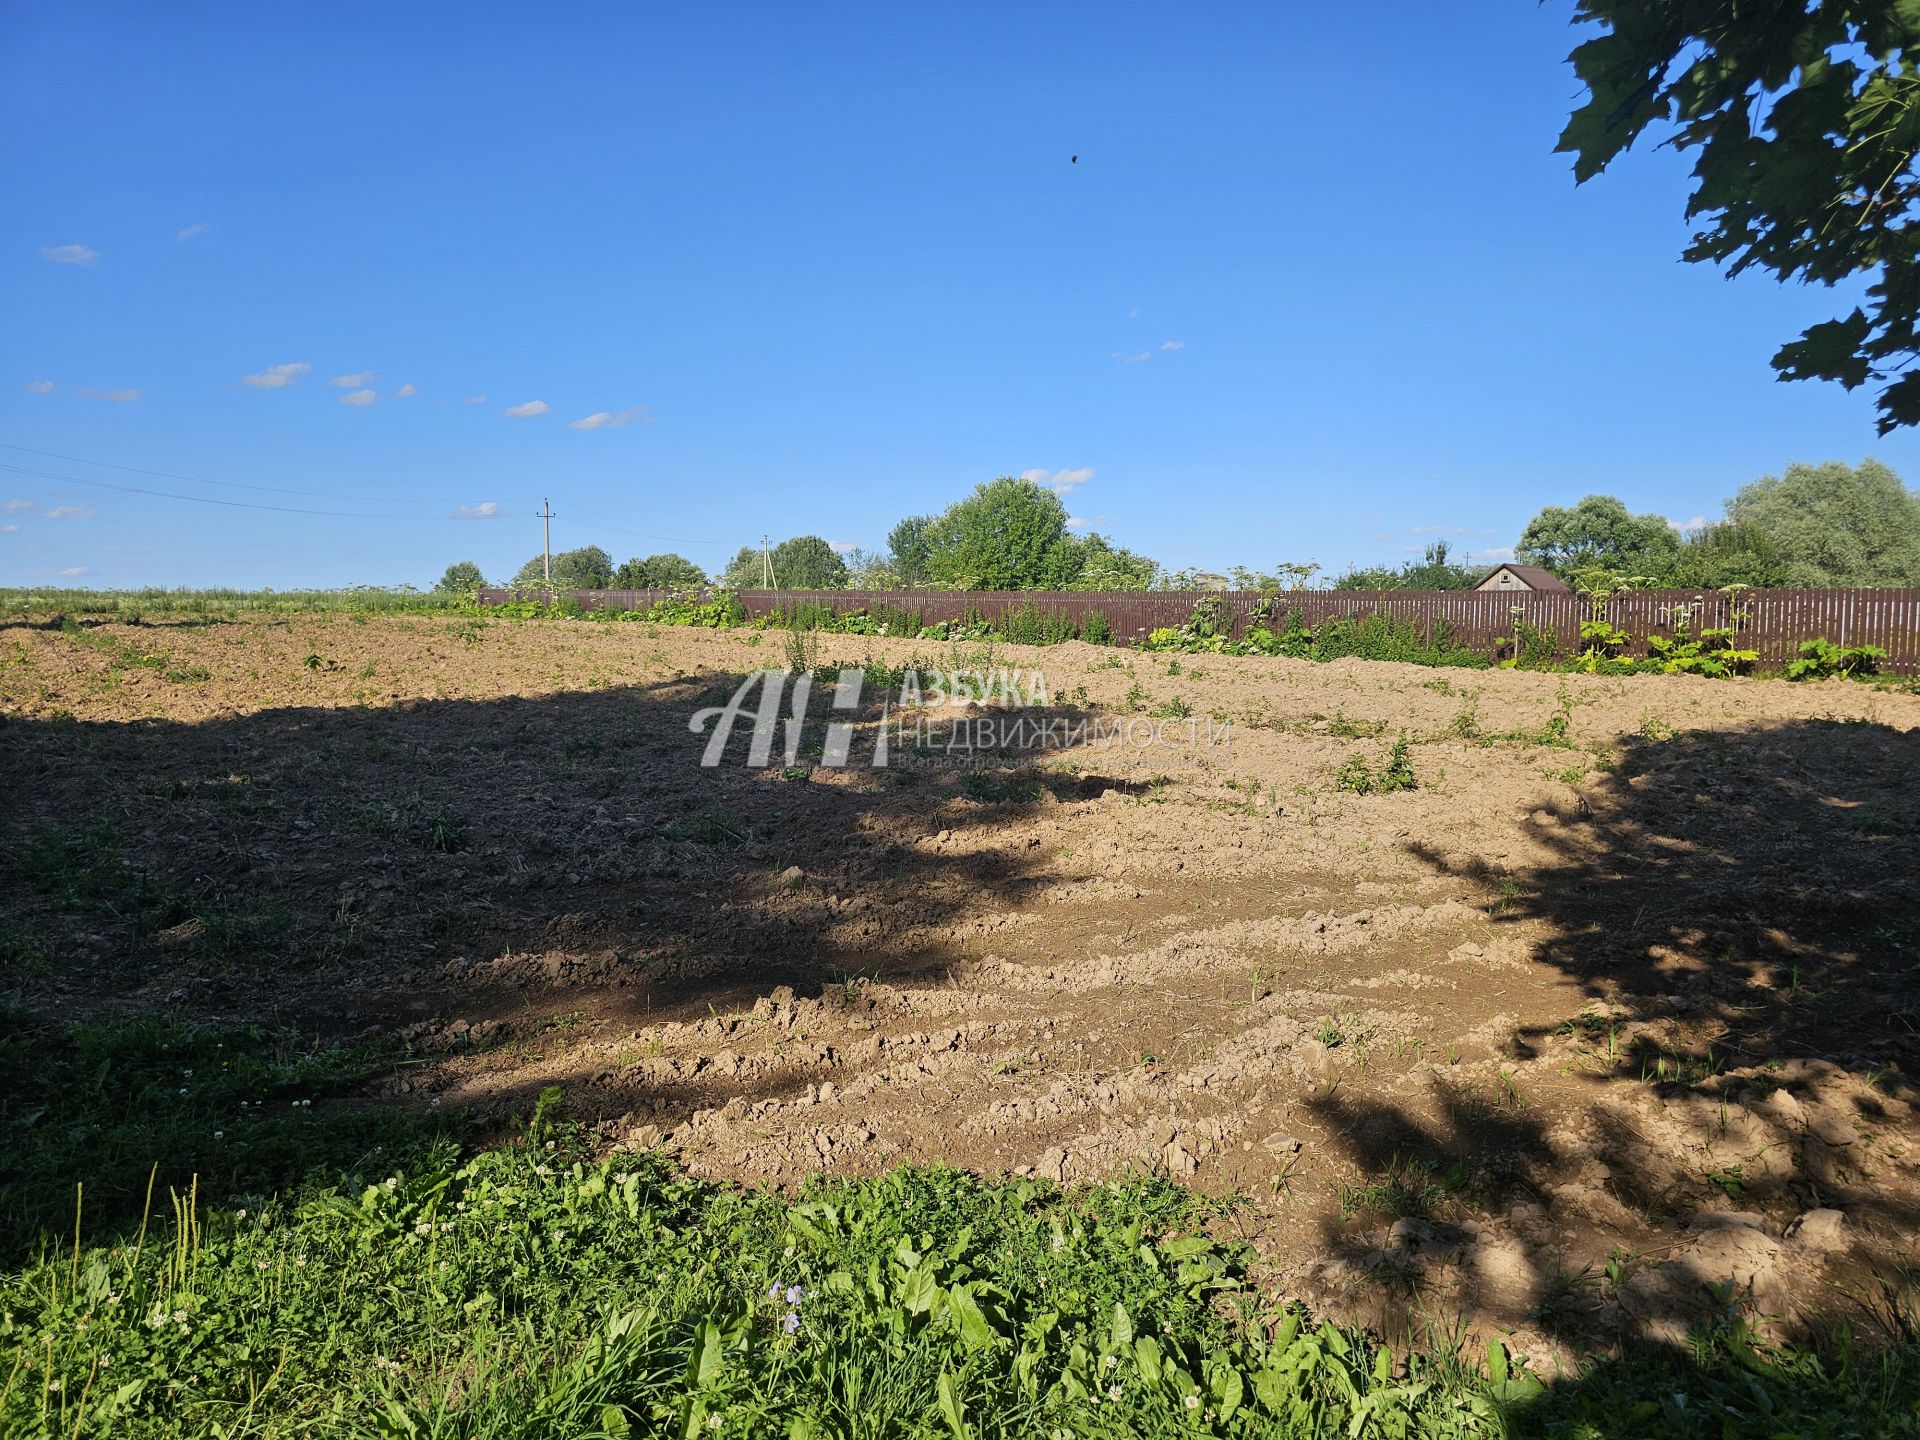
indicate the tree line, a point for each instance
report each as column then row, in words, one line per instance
column 1813, row 526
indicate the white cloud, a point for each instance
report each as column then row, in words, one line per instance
column 843, row 547
column 1078, row 522
column 192, row 232
column 277, row 377
column 1687, row 527
column 486, row 510
column 611, row 419
column 1450, row 530
column 1061, row 482
column 405, row 391
column 70, row 255
column 359, row 399
column 1133, row 359
column 74, row 570
column 9, row 529
column 118, row 397
column 1494, row 555
column 1173, row 344
column 474, row 400
column 7, row 507
column 40, row 387
column 528, row 410
column 70, row 512
column 353, row 381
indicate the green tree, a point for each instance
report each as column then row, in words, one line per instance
column 806, row 562
column 588, row 568
column 1836, row 524
column 1010, row 534
column 1803, row 119
column 463, row 577
column 908, row 548
column 1102, row 565
column 659, row 572
column 1598, row 532
column 1731, row 552
column 1434, row 570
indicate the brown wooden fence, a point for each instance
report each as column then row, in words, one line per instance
column 1773, row 622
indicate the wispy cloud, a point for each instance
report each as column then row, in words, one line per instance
column 486, row 510
column 610, row 419
column 118, row 397
column 353, row 381
column 359, row 399
column 192, row 232
column 9, row 529
column 1078, row 522
column 474, row 400
column 79, row 255
column 1173, row 344
column 405, row 392
column 843, row 547
column 1450, row 530
column 1495, row 554
column 277, row 377
column 1132, row 359
column 528, row 410
column 74, row 570
column 1687, row 527
column 1061, row 482
column 7, row 507
column 40, row 387
column 70, row 512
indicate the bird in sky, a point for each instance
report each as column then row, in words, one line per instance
column 1073, row 159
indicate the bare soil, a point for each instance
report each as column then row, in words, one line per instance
column 1617, row 1002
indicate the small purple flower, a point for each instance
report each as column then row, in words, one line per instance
column 773, row 1293
column 792, row 1322
column 795, row 1294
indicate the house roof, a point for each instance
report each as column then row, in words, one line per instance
column 1537, row 577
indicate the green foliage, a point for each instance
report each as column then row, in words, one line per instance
column 805, row 562
column 909, row 548
column 1392, row 772
column 1821, row 659
column 1010, row 534
column 1835, row 524
column 525, row 1292
column 1434, row 570
column 1732, row 552
column 1095, row 630
column 1802, row 120
column 463, row 577
column 587, row 568
column 134, row 606
column 659, row 572
column 1102, row 565
column 1028, row 625
column 1598, row 532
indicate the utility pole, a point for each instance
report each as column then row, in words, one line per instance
column 768, row 580
column 546, row 541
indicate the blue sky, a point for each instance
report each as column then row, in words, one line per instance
column 1317, row 289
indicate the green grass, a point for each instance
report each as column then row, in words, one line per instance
column 309, row 1263
column 135, row 605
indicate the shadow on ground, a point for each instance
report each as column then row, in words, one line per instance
column 1738, row 909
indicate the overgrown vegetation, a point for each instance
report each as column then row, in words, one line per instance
column 211, row 1233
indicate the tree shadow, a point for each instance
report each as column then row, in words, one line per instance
column 1737, row 908
column 503, row 864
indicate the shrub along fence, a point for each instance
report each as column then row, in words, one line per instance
column 1773, row 622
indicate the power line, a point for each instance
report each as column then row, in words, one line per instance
column 231, row 484
column 200, row 499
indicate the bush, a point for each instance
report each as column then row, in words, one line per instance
column 1094, row 629
column 1820, row 659
column 1393, row 772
